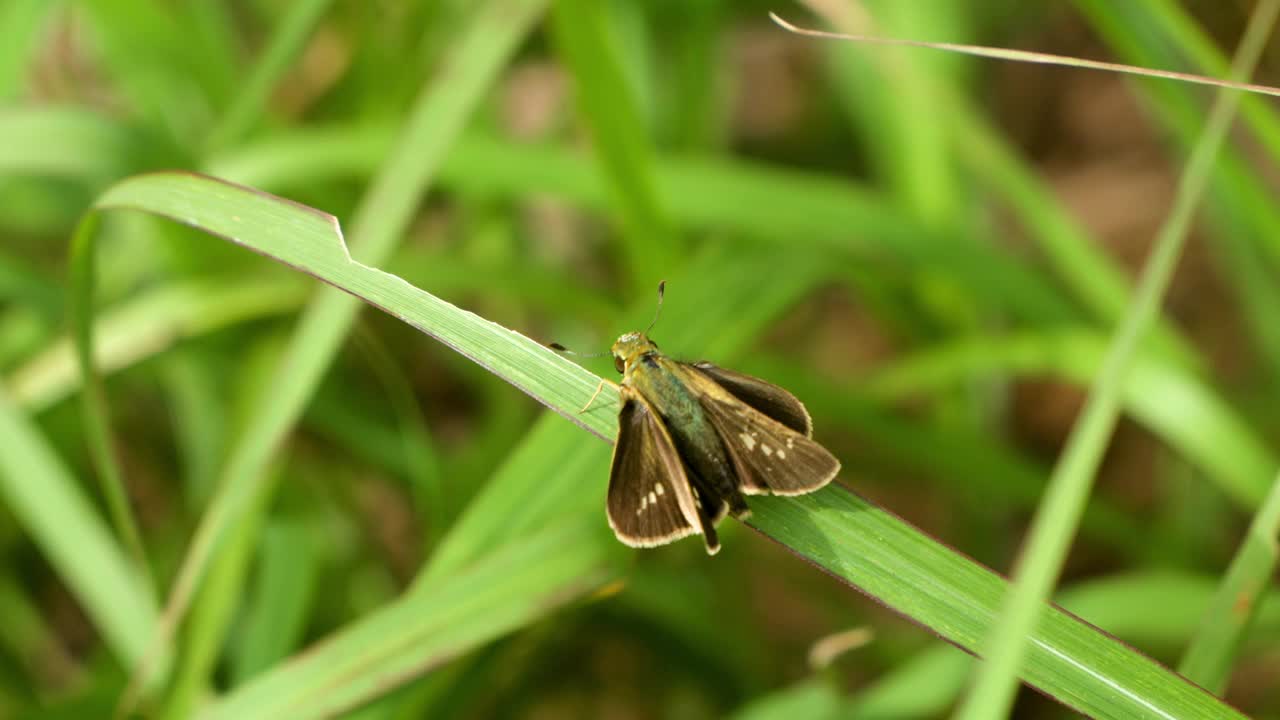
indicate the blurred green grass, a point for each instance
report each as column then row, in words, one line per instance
column 928, row 249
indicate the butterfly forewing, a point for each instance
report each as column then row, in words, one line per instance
column 768, row 456
column 650, row 499
column 766, row 397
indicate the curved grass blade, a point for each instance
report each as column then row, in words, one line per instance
column 479, row 53
column 97, row 428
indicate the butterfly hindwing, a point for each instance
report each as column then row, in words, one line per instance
column 766, row 397
column 650, row 499
column 769, row 456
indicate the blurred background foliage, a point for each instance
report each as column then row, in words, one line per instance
column 929, row 250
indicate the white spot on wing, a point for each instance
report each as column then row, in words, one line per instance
column 782, row 454
column 791, row 443
column 657, row 487
column 653, row 499
column 747, row 440
column 767, row 450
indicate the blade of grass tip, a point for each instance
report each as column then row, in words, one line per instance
column 1055, row 522
column 284, row 47
column 608, row 103
column 480, row 52
column 101, row 443
column 1168, row 25
column 1235, row 604
column 1028, row 56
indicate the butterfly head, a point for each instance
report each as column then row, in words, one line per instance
column 629, row 348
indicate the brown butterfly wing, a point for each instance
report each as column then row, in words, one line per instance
column 766, row 397
column 650, row 499
column 769, row 456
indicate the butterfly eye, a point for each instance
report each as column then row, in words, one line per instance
column 618, row 365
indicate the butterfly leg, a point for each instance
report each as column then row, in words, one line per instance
column 596, row 394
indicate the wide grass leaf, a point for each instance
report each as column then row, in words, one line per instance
column 848, row 537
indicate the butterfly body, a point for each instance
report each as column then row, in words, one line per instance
column 694, row 438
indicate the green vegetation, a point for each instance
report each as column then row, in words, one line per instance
column 263, row 500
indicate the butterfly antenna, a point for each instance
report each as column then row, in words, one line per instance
column 662, row 290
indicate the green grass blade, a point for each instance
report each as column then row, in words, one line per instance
column 48, row 504
column 545, row 474
column 848, row 537
column 148, row 325
column 285, row 585
column 1212, row 652
column 508, row 588
column 1092, row 278
column 608, row 103
column 912, row 151
column 1249, row 224
column 1143, row 608
column 480, row 52
column 1054, row 525
column 1190, row 415
column 1242, row 208
column 97, row 430
column 66, row 142
column 993, row 470
column 211, row 614
column 282, row 50
column 816, row 700
column 801, row 209
column 960, row 600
